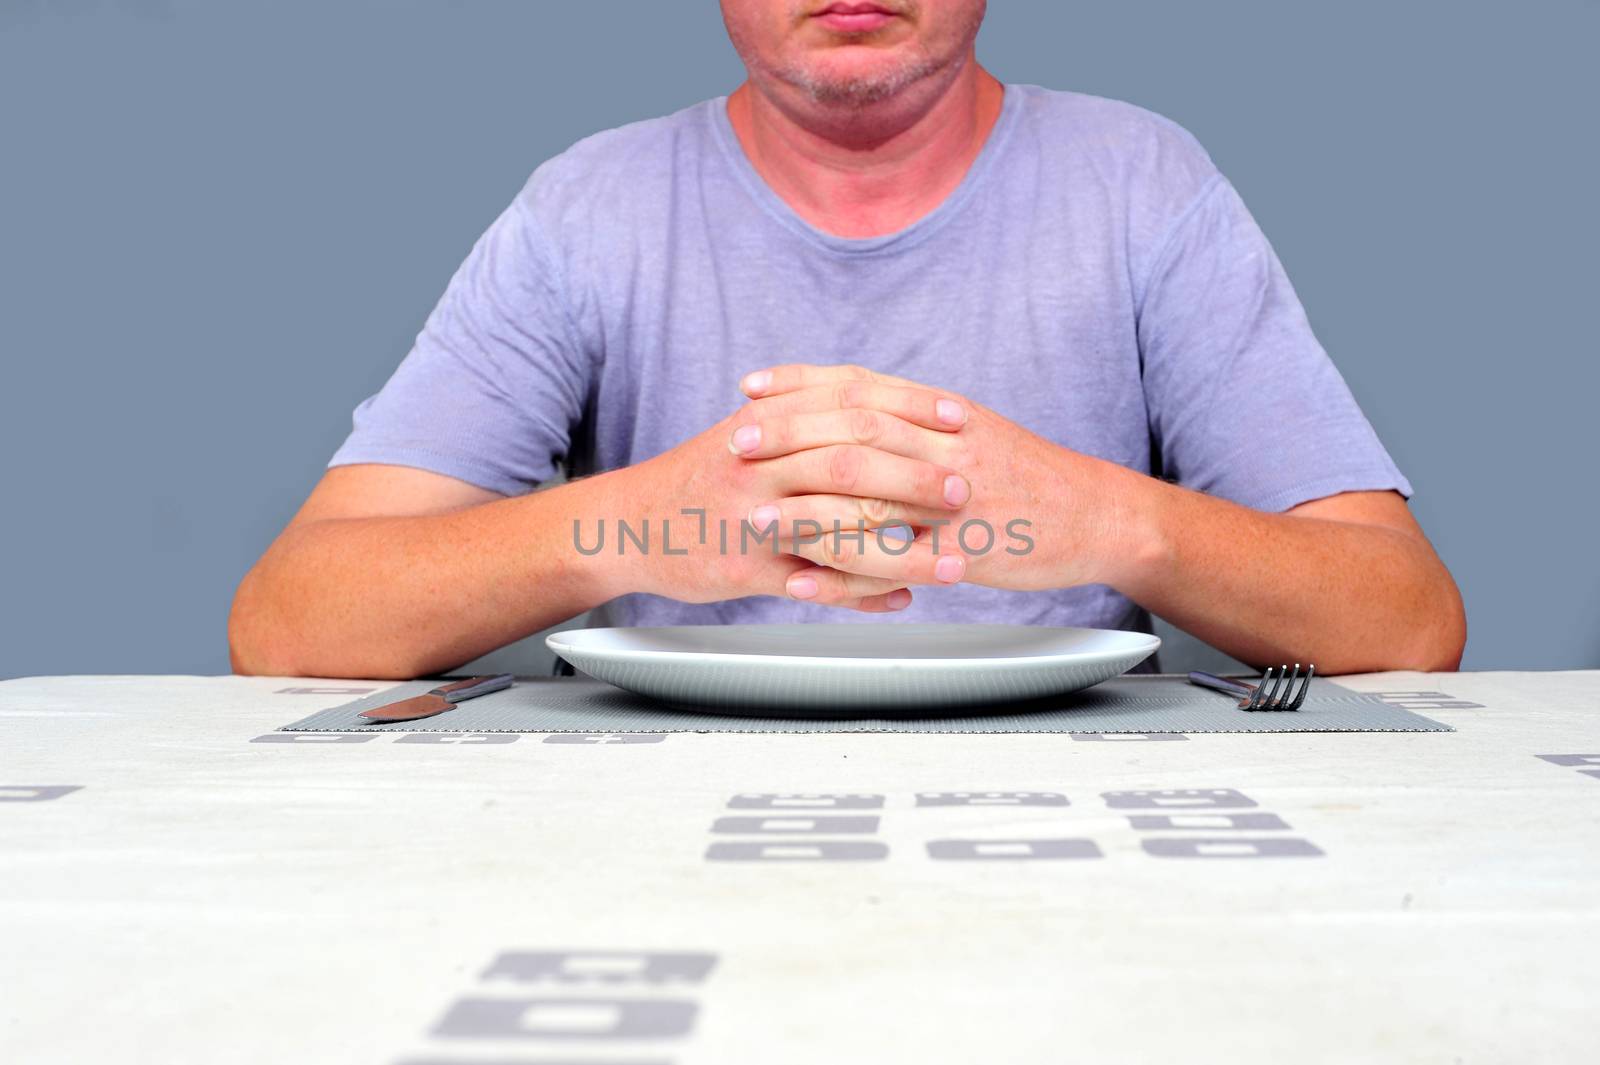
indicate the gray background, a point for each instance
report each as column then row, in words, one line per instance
column 221, row 224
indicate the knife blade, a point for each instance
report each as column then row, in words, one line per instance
column 440, row 699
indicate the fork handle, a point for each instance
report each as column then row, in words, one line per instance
column 1237, row 688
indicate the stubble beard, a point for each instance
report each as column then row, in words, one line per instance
column 861, row 91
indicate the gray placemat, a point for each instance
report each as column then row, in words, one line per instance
column 1125, row 704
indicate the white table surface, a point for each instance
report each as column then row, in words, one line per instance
column 207, row 896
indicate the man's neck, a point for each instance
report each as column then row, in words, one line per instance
column 868, row 172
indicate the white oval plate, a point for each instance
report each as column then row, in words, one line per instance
column 839, row 670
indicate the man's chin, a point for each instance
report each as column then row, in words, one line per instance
column 853, row 81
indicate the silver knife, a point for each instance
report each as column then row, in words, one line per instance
column 439, row 699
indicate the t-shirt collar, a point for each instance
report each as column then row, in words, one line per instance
column 747, row 175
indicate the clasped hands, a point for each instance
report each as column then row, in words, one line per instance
column 873, row 485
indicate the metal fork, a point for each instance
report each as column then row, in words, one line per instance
column 1276, row 691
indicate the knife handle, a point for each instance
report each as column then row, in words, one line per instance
column 461, row 690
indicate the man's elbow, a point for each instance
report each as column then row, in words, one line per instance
column 1441, row 634
column 1440, row 654
column 246, row 659
column 261, row 641
column 265, row 643
column 1453, row 643
column 250, row 647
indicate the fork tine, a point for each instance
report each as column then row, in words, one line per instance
column 1264, row 690
column 1255, row 696
column 1286, row 700
column 1311, row 671
column 1279, row 688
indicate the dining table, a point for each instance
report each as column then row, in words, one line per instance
column 181, row 880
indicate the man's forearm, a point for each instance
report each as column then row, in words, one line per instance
column 1270, row 588
column 414, row 595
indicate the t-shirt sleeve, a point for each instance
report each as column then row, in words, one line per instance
column 497, row 379
column 1244, row 403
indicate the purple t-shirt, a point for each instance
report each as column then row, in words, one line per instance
column 1093, row 278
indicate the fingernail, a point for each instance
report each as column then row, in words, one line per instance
column 802, row 587
column 949, row 568
column 764, row 515
column 746, row 439
column 950, row 412
column 956, row 490
column 899, row 533
column 898, row 599
column 757, row 382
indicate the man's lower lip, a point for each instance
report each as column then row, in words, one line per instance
column 858, row 22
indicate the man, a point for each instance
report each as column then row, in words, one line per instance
column 899, row 293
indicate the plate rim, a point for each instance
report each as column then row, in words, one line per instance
column 1015, row 662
